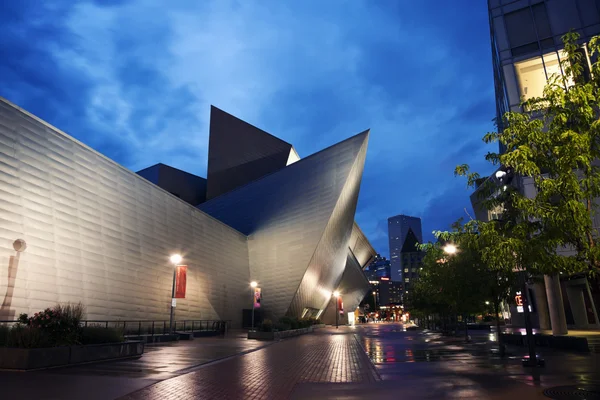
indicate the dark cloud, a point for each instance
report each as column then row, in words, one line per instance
column 417, row 73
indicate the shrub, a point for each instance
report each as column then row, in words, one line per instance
column 278, row 327
column 292, row 322
column 97, row 334
column 4, row 332
column 27, row 337
column 60, row 323
column 267, row 326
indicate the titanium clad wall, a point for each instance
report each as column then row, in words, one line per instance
column 240, row 153
column 361, row 247
column 353, row 288
column 285, row 215
column 329, row 260
column 99, row 233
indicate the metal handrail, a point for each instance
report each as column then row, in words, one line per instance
column 154, row 327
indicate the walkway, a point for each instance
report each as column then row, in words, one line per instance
column 272, row 372
column 369, row 361
column 109, row 380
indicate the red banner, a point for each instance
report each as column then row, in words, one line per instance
column 257, row 297
column 180, row 281
column 340, row 305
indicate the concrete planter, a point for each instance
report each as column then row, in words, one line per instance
column 278, row 335
column 30, row 359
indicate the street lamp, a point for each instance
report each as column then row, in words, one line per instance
column 336, row 294
column 253, row 285
column 175, row 260
column 450, row 249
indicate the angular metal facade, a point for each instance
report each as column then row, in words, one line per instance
column 353, row 288
column 99, row 233
column 285, row 216
column 240, row 153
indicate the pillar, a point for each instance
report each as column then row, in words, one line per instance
column 555, row 305
column 542, row 306
column 575, row 295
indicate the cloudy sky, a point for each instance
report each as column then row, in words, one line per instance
column 134, row 79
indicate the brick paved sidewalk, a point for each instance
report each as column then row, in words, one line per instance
column 272, row 372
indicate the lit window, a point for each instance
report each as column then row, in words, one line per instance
column 532, row 76
column 405, row 269
column 406, row 279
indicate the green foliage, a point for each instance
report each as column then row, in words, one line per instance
column 461, row 283
column 60, row 323
column 56, row 326
column 4, row 331
column 553, row 148
column 267, row 326
column 98, row 334
column 28, row 337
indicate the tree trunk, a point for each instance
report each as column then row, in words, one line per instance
column 498, row 333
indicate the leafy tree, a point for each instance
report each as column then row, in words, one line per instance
column 461, row 283
column 554, row 149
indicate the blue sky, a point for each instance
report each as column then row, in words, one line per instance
column 135, row 79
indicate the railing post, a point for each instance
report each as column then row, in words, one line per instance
column 153, row 328
column 184, row 325
column 86, row 324
column 164, row 327
column 140, row 329
column 124, row 328
column 192, row 326
column 106, row 324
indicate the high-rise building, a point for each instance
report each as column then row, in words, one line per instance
column 398, row 229
column 527, row 46
column 378, row 268
column 526, row 51
column 412, row 258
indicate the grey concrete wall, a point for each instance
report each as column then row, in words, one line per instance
column 98, row 233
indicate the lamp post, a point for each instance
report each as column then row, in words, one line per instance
column 374, row 301
column 336, row 294
column 253, row 285
column 175, row 260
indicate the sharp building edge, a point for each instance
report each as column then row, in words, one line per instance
column 101, row 234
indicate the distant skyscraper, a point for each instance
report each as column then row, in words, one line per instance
column 379, row 268
column 398, row 229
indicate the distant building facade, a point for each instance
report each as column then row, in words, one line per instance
column 412, row 260
column 398, row 230
column 378, row 268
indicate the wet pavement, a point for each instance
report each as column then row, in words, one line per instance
column 113, row 379
column 367, row 361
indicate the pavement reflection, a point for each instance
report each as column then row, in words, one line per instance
column 448, row 366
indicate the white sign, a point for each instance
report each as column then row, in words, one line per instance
column 173, row 302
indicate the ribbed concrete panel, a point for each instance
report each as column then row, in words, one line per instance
column 99, row 233
column 361, row 247
column 286, row 214
column 240, row 153
column 353, row 287
column 327, row 264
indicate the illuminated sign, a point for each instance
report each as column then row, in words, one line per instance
column 385, row 279
column 519, row 302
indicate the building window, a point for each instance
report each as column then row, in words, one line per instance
column 405, row 270
column 533, row 74
column 527, row 29
column 406, row 280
